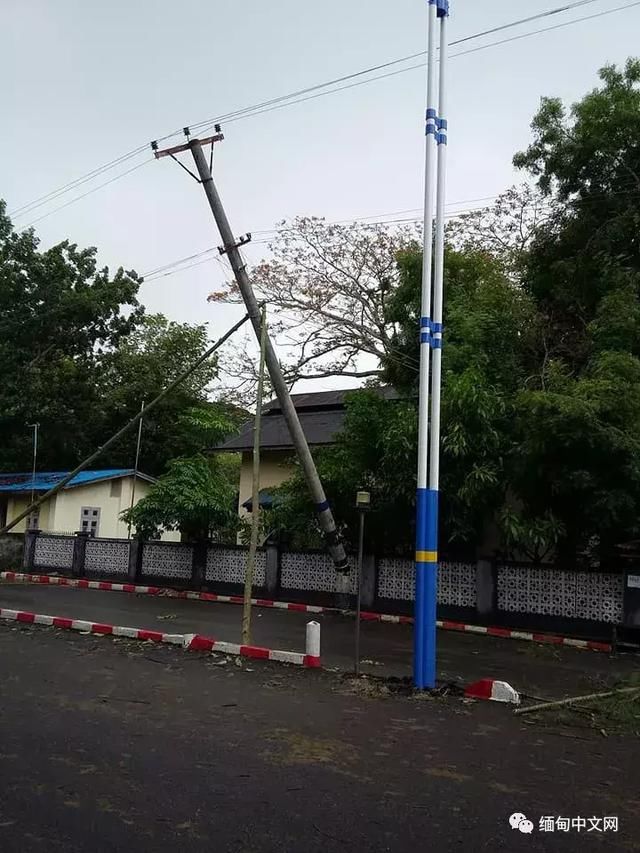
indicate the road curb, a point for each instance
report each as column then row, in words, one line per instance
column 366, row 616
column 189, row 642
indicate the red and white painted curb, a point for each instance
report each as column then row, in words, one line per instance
column 489, row 688
column 191, row 642
column 444, row 624
column 196, row 642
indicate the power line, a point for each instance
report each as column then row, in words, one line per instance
column 257, row 109
column 241, row 115
column 371, row 69
column 88, row 192
column 51, row 196
column 199, row 258
column 204, row 256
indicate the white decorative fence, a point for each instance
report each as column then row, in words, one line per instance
column 106, row 555
column 388, row 583
column 228, row 565
column 554, row 592
column 456, row 582
column 53, row 552
column 314, row 572
column 167, row 560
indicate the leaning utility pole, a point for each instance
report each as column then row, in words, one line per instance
column 255, row 492
column 231, row 247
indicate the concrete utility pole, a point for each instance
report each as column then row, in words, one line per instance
column 255, row 491
column 230, row 247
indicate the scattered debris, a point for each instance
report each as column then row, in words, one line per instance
column 557, row 703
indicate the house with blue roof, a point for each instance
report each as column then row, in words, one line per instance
column 92, row 501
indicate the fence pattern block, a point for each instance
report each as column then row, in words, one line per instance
column 167, row 560
column 106, row 555
column 228, row 565
column 456, row 582
column 54, row 552
column 554, row 592
column 315, row 572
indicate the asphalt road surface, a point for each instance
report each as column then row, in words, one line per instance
column 386, row 649
column 113, row 745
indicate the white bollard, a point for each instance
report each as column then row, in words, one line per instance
column 312, row 656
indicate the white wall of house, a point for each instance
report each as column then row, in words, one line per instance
column 16, row 504
column 276, row 466
column 64, row 512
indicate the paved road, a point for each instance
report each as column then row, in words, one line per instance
column 117, row 746
column 538, row 670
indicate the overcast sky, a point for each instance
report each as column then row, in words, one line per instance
column 88, row 81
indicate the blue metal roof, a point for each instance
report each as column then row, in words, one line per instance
column 46, row 480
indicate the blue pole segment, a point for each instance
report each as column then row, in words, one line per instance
column 419, row 626
column 430, row 589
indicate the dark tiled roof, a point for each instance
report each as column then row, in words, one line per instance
column 327, row 399
column 321, row 417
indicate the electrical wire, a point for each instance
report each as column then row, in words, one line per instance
column 417, row 66
column 258, row 109
column 199, row 257
column 371, row 69
column 51, row 196
column 88, row 192
column 204, row 256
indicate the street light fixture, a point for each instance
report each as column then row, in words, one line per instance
column 363, row 505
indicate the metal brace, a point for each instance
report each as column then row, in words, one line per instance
column 241, row 242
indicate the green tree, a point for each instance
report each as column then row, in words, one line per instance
column 59, row 314
column 144, row 363
column 577, row 419
column 198, row 494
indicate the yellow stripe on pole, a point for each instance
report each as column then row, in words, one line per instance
column 426, row 556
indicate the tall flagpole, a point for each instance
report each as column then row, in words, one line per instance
column 429, row 657
column 421, row 608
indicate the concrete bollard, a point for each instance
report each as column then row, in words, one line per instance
column 312, row 657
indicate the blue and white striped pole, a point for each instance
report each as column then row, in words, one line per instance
column 425, row 344
column 430, row 338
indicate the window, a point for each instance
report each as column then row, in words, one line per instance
column 116, row 488
column 90, row 520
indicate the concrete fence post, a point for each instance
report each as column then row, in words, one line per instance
column 79, row 551
column 135, row 559
column 199, row 565
column 272, row 571
column 369, row 578
column 29, row 552
column 631, row 598
column 486, row 587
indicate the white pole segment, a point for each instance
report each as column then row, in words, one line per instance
column 438, row 286
column 427, row 253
